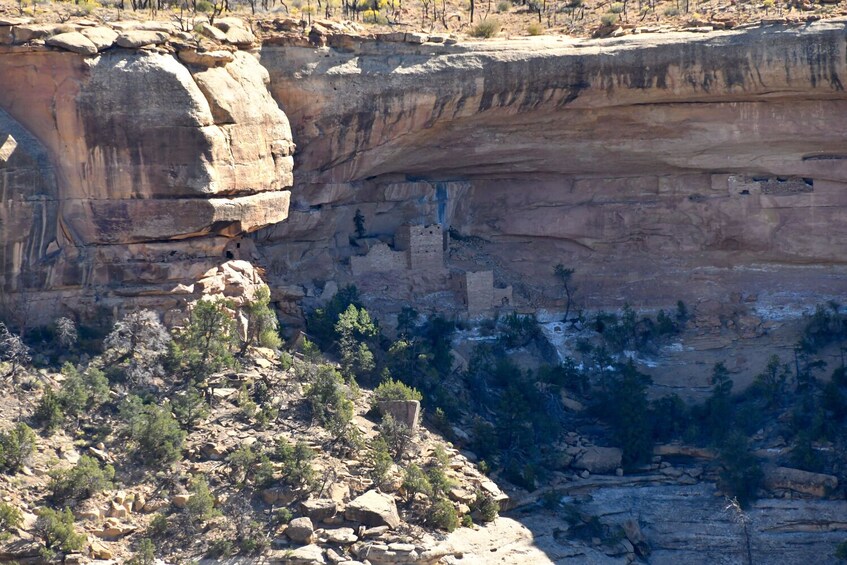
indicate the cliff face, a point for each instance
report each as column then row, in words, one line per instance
column 676, row 166
column 128, row 173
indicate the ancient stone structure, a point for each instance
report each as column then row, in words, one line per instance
column 612, row 157
column 479, row 294
column 424, row 246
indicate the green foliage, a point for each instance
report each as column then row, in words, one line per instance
column 296, row 463
column 719, row 407
column 190, row 407
column 608, row 19
column 48, row 413
column 283, row 516
column 145, row 553
column 158, row 526
column 485, row 29
column 10, row 518
column 670, row 418
column 56, row 531
column 83, row 480
column 504, row 6
column 486, row 506
column 155, row 436
column 395, row 390
column 623, row 404
column 16, row 447
column 380, row 461
column 329, row 400
column 841, row 551
column 532, row 29
column 249, row 464
column 741, row 472
column 356, row 336
column 201, row 505
column 772, row 381
column 321, row 323
column 415, row 481
column 442, row 515
column 616, row 8
column 262, row 324
column 82, row 392
column 396, row 435
column 205, row 345
column 519, row 331
column 826, row 326
column 804, row 456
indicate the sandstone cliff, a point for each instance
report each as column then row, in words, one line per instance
column 126, row 174
column 663, row 167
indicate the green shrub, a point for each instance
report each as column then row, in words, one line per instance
column 16, row 447
column 283, row 516
column 190, row 407
column 329, row 402
column 671, row 12
column 380, row 462
column 504, row 6
column 608, row 19
column 485, row 29
column 262, row 324
column 616, row 8
column 249, row 464
column 49, row 414
column 486, row 506
column 158, row 526
column 741, row 474
column 82, row 391
column 10, row 518
column 415, row 481
column 155, row 436
column 201, row 505
column 56, row 531
column 321, row 323
column 206, row 344
column 83, row 480
column 296, row 463
column 145, row 553
column 395, row 390
column 442, row 514
column 396, row 435
column 841, row 551
column 534, row 29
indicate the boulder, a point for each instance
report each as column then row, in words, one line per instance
column 180, row 500
column 212, row 32
column 101, row 37
column 404, row 411
column 306, row 555
column 373, row 509
column 599, row 460
column 300, row 530
column 134, row 39
column 815, row 484
column 205, row 58
column 73, row 41
column 319, row 509
column 340, row 536
column 240, row 37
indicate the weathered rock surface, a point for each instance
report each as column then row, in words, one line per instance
column 815, row 484
column 126, row 176
column 373, row 509
column 599, row 459
column 666, row 167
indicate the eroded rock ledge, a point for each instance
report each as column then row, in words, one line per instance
column 661, row 167
column 128, row 172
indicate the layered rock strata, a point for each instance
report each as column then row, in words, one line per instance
column 128, row 172
column 660, row 167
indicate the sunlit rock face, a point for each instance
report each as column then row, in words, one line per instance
column 125, row 176
column 663, row 167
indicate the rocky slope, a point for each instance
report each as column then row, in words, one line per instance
column 661, row 167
